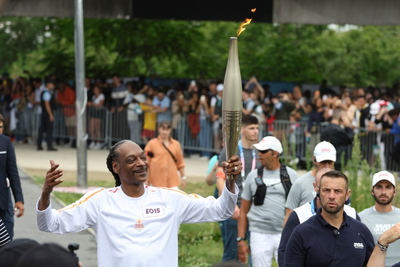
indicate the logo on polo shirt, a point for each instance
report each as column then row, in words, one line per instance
column 359, row 245
column 139, row 224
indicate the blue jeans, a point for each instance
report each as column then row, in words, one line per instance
column 205, row 137
column 230, row 243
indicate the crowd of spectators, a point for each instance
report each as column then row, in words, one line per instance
column 141, row 103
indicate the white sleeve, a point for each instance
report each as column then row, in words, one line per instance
column 127, row 99
column 196, row 209
column 74, row 218
column 213, row 102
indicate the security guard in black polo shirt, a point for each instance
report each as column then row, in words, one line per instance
column 331, row 237
column 48, row 104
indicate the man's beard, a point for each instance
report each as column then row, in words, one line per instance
column 333, row 210
column 383, row 202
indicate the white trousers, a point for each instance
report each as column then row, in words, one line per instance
column 263, row 247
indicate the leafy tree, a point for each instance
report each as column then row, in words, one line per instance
column 359, row 56
column 19, row 36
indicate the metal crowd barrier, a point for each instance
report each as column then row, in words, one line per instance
column 203, row 142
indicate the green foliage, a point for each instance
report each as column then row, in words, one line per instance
column 293, row 151
column 353, row 164
column 199, row 244
column 359, row 174
column 20, row 36
column 286, row 156
column 361, row 56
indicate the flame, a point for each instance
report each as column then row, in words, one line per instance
column 244, row 23
column 241, row 29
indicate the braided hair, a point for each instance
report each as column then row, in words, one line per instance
column 113, row 155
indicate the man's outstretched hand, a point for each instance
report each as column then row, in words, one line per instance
column 52, row 179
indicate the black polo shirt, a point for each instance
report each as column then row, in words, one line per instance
column 317, row 243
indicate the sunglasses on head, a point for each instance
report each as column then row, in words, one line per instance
column 264, row 151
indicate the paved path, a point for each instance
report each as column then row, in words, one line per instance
column 26, row 226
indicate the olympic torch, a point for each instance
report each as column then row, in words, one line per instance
column 232, row 101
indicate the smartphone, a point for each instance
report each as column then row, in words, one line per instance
column 193, row 83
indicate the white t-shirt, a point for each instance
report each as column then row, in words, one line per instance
column 98, row 99
column 379, row 222
column 38, row 95
column 136, row 231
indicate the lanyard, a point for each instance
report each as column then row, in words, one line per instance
column 313, row 207
column 253, row 164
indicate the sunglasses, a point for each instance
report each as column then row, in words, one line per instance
column 264, row 151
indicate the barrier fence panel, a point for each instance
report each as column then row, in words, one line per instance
column 106, row 128
column 198, row 141
column 98, row 125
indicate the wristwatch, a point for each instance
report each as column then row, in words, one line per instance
column 239, row 238
column 382, row 247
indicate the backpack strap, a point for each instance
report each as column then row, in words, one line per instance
column 260, row 172
column 284, row 175
column 285, row 179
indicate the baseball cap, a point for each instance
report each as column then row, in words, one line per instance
column 324, row 151
column 220, row 87
column 269, row 142
column 374, row 109
column 381, row 176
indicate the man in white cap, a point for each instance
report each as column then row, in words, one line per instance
column 383, row 215
column 216, row 115
column 263, row 200
column 302, row 190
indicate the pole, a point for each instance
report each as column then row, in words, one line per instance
column 81, row 97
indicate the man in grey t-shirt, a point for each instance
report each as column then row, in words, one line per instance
column 302, row 190
column 383, row 215
column 248, row 157
column 264, row 220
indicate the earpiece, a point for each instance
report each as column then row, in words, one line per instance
column 318, row 195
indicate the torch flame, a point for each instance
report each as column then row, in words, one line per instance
column 244, row 23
